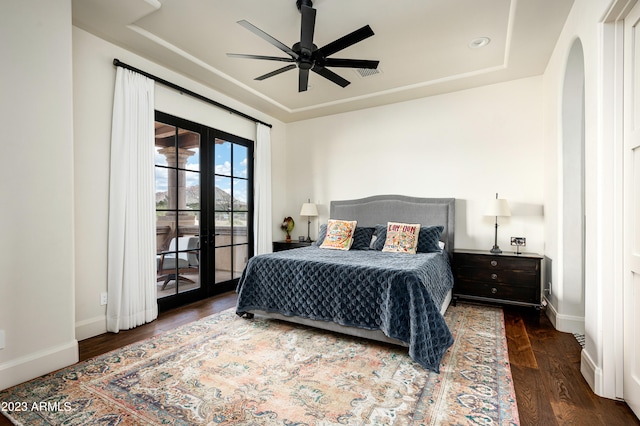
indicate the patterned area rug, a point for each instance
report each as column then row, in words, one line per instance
column 580, row 338
column 225, row 370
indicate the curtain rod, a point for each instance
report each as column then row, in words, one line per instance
column 118, row 63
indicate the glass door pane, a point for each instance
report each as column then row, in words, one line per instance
column 241, row 242
column 232, row 162
column 178, row 210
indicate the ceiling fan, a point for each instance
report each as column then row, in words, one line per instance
column 306, row 56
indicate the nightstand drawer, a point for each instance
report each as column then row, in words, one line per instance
column 496, row 262
column 499, row 276
column 500, row 291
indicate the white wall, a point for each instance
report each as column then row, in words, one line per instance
column 93, row 85
column 36, row 180
column 468, row 145
column 602, row 236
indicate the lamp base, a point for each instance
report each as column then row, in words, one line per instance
column 495, row 250
column 308, row 231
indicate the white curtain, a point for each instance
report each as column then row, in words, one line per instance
column 131, row 274
column 262, row 207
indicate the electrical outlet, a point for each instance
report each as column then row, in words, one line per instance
column 2, row 339
column 103, row 298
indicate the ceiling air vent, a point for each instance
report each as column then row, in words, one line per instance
column 367, row 72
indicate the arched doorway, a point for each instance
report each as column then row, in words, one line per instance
column 571, row 302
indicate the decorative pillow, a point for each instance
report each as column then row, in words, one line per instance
column 339, row 235
column 429, row 239
column 321, row 234
column 362, row 238
column 401, row 237
column 380, row 236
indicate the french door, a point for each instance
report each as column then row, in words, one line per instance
column 204, row 210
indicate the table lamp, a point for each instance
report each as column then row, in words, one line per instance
column 497, row 207
column 309, row 210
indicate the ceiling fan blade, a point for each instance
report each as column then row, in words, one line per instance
column 330, row 75
column 303, row 80
column 257, row 31
column 276, row 72
column 350, row 63
column 266, row 58
column 307, row 28
column 346, row 41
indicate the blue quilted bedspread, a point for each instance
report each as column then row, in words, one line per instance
column 397, row 293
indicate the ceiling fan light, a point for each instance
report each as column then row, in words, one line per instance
column 479, row 42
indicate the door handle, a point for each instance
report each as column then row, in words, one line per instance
column 211, row 237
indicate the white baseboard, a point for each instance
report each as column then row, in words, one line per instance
column 591, row 373
column 91, row 327
column 34, row 365
column 564, row 323
column 573, row 324
column 551, row 313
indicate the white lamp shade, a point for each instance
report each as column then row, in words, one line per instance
column 498, row 207
column 309, row 209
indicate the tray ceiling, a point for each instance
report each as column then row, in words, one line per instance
column 423, row 45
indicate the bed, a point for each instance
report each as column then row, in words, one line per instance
column 396, row 298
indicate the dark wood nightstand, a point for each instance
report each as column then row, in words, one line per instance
column 504, row 278
column 284, row 245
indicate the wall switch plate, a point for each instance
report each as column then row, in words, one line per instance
column 103, row 298
column 2, row 339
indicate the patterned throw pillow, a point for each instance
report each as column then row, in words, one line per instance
column 361, row 237
column 339, row 234
column 401, row 237
column 429, row 239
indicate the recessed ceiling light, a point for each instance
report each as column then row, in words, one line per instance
column 479, row 42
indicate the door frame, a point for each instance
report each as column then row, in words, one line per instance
column 182, row 298
column 608, row 379
column 208, row 287
column 209, row 230
column 631, row 268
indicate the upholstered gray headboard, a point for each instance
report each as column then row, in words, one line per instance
column 381, row 209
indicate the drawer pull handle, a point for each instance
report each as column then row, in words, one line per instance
column 494, row 263
column 494, row 276
column 494, row 290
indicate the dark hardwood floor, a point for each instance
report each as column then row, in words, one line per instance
column 166, row 321
column 545, row 365
column 550, row 389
